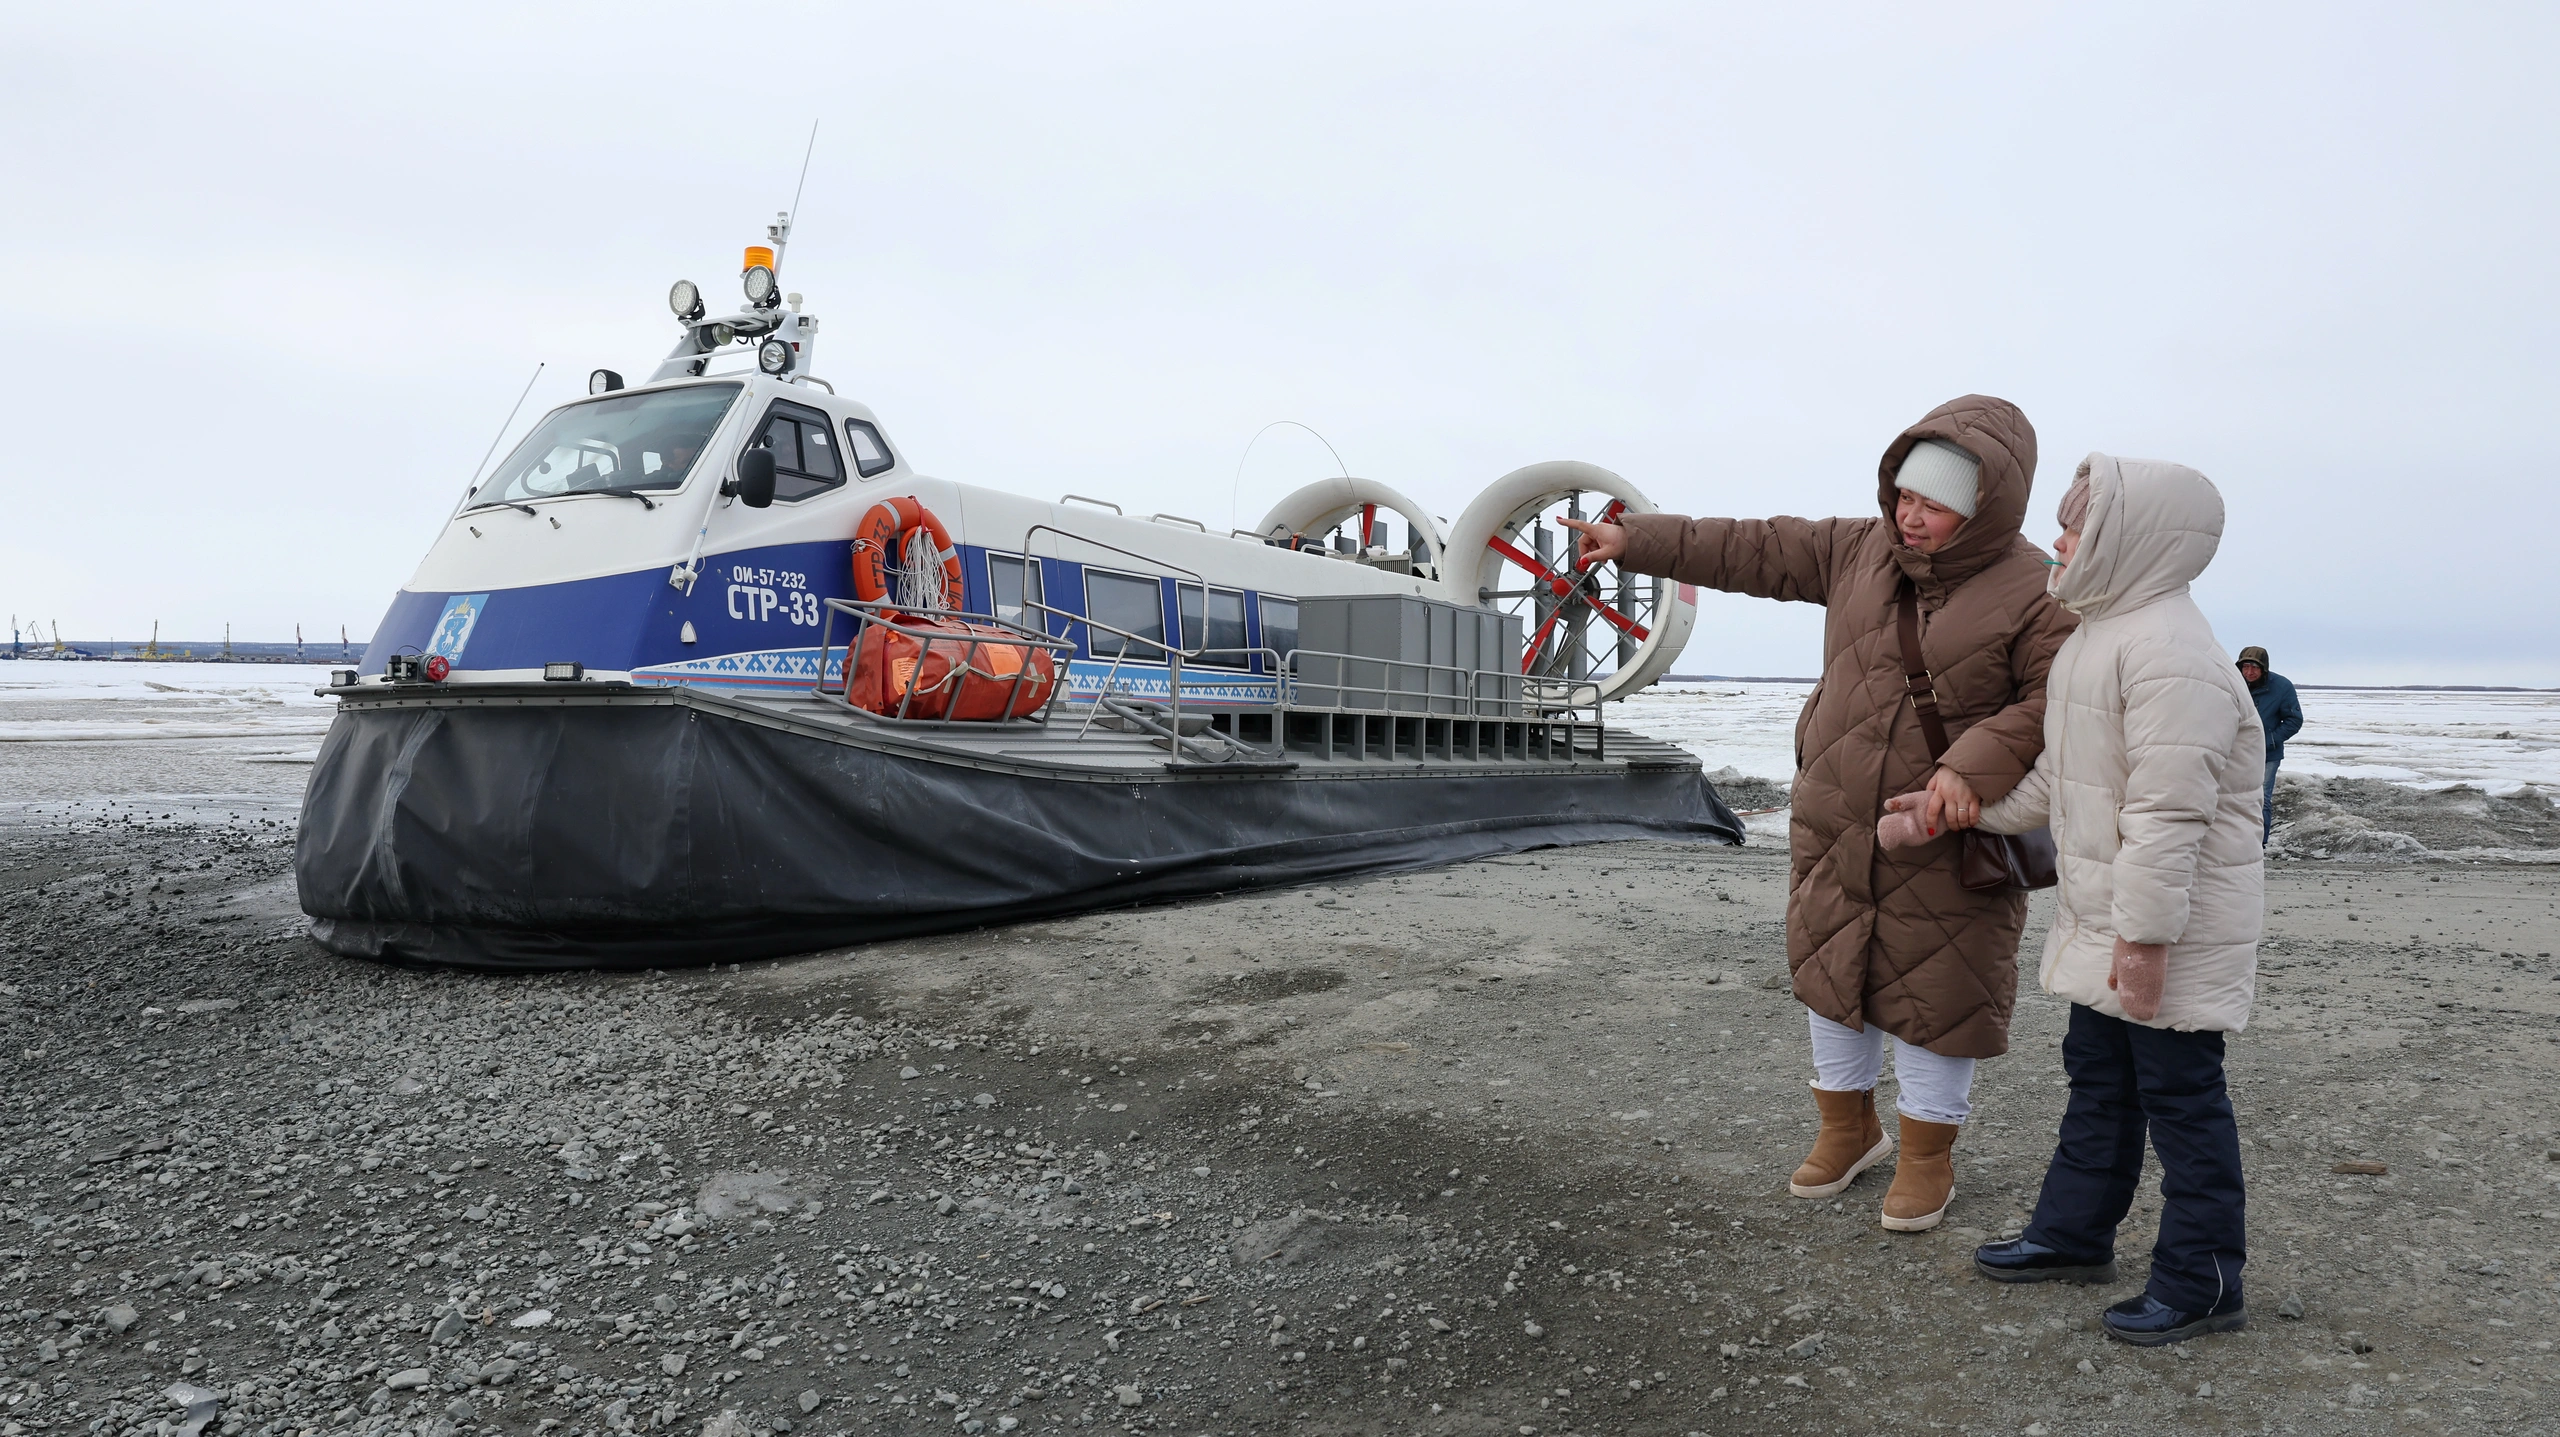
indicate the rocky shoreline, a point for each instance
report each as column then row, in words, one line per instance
column 1497, row 1148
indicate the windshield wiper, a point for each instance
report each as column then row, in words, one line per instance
column 499, row 504
column 628, row 494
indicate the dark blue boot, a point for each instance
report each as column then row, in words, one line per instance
column 2019, row 1260
column 2146, row 1321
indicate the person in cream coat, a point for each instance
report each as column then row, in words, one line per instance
column 2150, row 780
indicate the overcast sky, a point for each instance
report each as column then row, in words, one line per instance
column 277, row 279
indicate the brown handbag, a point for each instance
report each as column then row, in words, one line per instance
column 1985, row 862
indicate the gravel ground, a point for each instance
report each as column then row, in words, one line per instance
column 1497, row 1148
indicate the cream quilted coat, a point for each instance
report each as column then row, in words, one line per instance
column 2151, row 769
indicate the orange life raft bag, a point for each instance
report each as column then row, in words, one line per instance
column 970, row 672
column 933, row 667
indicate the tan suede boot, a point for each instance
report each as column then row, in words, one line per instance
column 1851, row 1141
column 1924, row 1181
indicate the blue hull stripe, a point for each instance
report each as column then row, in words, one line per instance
column 756, row 617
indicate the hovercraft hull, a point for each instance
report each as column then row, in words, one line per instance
column 517, row 828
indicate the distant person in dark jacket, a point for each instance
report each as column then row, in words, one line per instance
column 2280, row 709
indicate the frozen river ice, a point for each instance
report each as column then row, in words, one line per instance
column 2372, row 775
column 200, row 736
column 185, row 740
column 2499, row 742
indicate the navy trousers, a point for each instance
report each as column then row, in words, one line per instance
column 2129, row 1082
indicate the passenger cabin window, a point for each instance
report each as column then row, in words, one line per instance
column 1279, row 625
column 870, row 452
column 1213, row 618
column 1132, row 605
column 1006, row 576
column 618, row 444
column 804, row 452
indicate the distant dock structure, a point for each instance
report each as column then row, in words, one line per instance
column 28, row 642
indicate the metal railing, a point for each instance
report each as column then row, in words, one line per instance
column 1312, row 682
column 1224, row 672
column 1407, row 690
column 1173, row 657
column 1323, row 679
column 1439, row 690
column 881, row 614
column 1559, row 695
column 1309, row 681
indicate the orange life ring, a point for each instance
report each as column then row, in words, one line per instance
column 880, row 543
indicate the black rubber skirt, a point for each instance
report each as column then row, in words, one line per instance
column 658, row 835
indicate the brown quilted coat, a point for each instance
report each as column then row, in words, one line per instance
column 1891, row 938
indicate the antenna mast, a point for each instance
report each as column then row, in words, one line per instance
column 780, row 230
column 502, row 429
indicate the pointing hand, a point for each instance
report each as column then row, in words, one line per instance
column 1596, row 542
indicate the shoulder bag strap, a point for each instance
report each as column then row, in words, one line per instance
column 1917, row 681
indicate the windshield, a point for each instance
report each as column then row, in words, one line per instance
column 625, row 441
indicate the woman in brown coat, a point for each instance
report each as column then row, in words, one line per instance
column 1891, row 942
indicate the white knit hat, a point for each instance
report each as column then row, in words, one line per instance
column 1944, row 473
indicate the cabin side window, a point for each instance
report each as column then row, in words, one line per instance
column 1009, row 576
column 805, row 461
column 870, row 452
column 1279, row 625
column 1213, row 620
column 1129, row 604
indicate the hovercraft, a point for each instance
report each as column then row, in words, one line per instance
column 704, row 670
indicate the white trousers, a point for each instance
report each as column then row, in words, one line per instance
column 1932, row 1089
